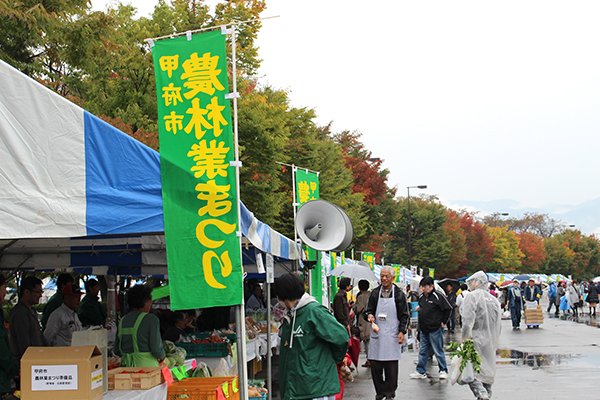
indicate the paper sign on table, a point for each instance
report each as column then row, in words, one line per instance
column 220, row 395
column 167, row 375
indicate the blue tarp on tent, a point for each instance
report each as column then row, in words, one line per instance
column 67, row 176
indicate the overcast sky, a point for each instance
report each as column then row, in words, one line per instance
column 478, row 100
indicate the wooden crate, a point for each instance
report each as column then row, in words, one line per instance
column 119, row 380
column 203, row 388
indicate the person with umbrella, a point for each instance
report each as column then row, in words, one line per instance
column 341, row 309
column 592, row 298
column 451, row 295
column 387, row 310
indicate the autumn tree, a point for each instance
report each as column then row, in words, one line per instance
column 479, row 245
column 532, row 247
column 507, row 255
column 370, row 180
column 458, row 246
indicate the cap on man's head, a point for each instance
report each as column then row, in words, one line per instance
column 515, row 280
column 72, row 289
column 531, row 280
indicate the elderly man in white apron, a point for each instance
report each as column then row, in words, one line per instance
column 387, row 309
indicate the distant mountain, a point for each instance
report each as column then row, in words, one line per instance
column 585, row 216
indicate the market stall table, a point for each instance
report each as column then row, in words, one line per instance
column 156, row 393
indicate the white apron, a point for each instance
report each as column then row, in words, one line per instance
column 384, row 344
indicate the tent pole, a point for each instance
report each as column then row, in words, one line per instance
column 240, row 318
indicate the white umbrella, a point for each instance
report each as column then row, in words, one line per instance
column 596, row 279
column 355, row 271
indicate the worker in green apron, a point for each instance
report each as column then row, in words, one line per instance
column 138, row 340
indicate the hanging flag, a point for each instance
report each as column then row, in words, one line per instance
column 397, row 269
column 369, row 258
column 307, row 189
column 198, row 182
column 431, row 272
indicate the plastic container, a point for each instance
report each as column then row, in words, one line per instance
column 205, row 349
column 203, row 389
column 119, row 380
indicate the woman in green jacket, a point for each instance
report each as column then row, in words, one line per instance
column 138, row 340
column 312, row 343
column 8, row 366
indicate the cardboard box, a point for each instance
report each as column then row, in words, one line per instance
column 61, row 373
column 123, row 379
column 98, row 338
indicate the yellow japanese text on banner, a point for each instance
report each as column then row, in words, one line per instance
column 200, row 201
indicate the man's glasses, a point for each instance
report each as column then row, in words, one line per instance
column 37, row 291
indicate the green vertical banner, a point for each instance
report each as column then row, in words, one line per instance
column 343, row 256
column 333, row 285
column 307, row 189
column 370, row 259
column 397, row 270
column 200, row 201
column 431, row 272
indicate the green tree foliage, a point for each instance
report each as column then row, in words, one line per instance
column 431, row 247
column 30, row 29
column 572, row 253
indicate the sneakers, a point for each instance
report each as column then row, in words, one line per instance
column 417, row 375
column 443, row 375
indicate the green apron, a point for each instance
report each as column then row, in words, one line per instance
column 136, row 359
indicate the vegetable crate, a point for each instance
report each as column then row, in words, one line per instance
column 200, row 336
column 205, row 349
column 134, row 378
column 204, row 389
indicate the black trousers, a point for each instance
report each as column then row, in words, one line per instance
column 384, row 387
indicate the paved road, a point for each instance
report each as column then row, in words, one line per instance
column 559, row 360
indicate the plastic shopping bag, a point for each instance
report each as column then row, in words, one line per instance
column 454, row 369
column 467, row 375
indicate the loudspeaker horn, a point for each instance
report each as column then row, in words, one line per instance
column 324, row 226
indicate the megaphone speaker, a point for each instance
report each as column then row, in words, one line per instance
column 324, row 226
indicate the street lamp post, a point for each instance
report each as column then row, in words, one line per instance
column 409, row 232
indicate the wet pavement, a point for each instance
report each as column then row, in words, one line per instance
column 561, row 359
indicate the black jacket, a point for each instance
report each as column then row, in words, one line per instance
column 341, row 310
column 401, row 307
column 434, row 309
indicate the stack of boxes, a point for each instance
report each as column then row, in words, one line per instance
column 533, row 314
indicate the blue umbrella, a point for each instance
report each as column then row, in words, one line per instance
column 522, row 277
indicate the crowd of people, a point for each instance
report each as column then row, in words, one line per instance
column 316, row 342
column 380, row 319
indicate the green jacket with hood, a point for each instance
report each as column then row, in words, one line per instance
column 307, row 363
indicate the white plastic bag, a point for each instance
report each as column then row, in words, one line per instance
column 454, row 369
column 467, row 375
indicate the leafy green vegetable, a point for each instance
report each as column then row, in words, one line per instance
column 466, row 352
column 169, row 347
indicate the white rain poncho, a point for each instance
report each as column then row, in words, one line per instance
column 481, row 317
column 572, row 295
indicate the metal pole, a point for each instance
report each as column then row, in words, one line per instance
column 294, row 205
column 409, row 233
column 240, row 317
column 269, row 355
